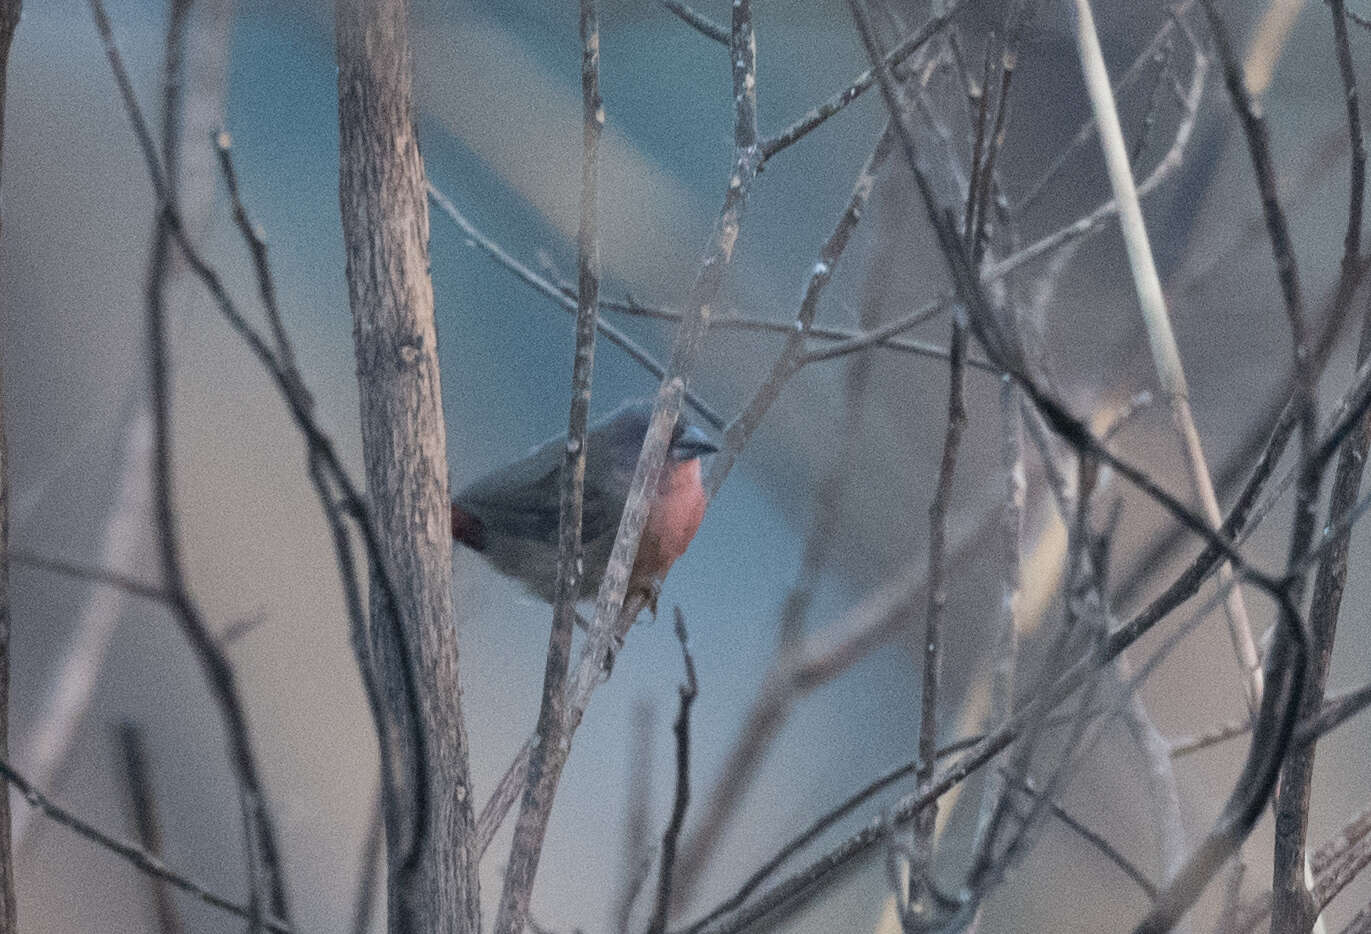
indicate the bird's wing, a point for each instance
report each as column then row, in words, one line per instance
column 523, row 499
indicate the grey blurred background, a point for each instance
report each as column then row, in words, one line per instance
column 497, row 89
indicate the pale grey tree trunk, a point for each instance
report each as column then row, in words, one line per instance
column 385, row 231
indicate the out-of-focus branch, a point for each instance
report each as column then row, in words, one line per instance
column 1165, row 353
column 145, row 818
column 1164, row 34
column 1097, row 841
column 135, row 856
column 262, row 851
column 1094, row 221
column 73, row 682
column 9, row 21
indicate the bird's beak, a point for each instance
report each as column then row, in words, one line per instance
column 692, row 443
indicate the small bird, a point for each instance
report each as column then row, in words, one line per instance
column 511, row 515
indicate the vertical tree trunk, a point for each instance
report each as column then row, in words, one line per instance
column 9, row 19
column 385, row 230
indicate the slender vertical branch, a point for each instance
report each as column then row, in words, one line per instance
column 544, row 772
column 920, row 884
column 9, row 21
column 146, row 820
column 1004, row 654
column 264, row 873
column 1294, row 910
column 614, row 614
column 681, row 799
column 135, row 856
column 382, row 194
column 792, row 356
column 1165, row 354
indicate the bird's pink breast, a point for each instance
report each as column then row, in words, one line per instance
column 676, row 515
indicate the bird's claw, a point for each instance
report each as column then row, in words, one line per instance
column 651, row 592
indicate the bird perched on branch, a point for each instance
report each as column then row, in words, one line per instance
column 511, row 515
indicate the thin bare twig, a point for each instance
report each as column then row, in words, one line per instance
column 1165, row 353
column 846, row 341
column 569, row 302
column 792, row 356
column 920, row 893
column 77, row 673
column 681, row 800
column 124, row 583
column 9, row 21
column 863, row 82
column 546, row 755
column 264, row 870
column 1087, row 127
column 698, row 22
column 135, row 856
column 1096, row 840
column 1335, row 711
column 146, row 821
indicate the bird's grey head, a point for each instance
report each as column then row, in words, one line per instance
column 624, row 430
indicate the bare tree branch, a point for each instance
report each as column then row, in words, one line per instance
column 698, row 21
column 264, row 871
column 681, row 801
column 434, row 885
column 921, row 894
column 149, row 825
column 1165, row 353
column 76, row 674
column 135, row 856
column 9, row 21
column 1135, row 875
column 1294, row 909
column 569, row 302
column 862, row 83
column 546, row 753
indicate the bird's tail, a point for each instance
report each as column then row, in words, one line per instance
column 468, row 529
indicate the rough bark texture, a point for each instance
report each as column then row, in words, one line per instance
column 9, row 19
column 385, row 230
